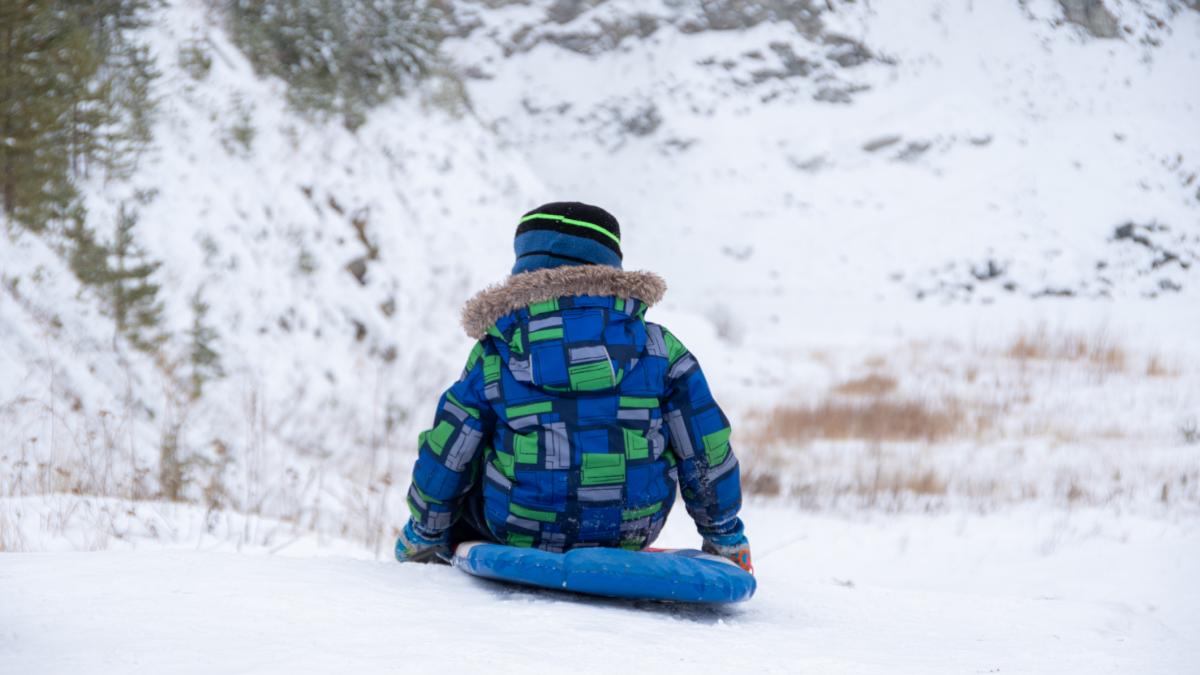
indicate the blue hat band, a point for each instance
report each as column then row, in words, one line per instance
column 541, row 249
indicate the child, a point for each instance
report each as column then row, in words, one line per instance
column 575, row 418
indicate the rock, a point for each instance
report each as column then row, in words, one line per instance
column 992, row 270
column 847, row 52
column 913, row 151
column 600, row 36
column 642, row 122
column 1093, row 16
column 842, row 94
column 566, row 11
column 358, row 268
column 718, row 15
column 1129, row 231
column 880, row 143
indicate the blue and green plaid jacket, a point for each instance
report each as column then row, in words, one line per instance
column 578, row 419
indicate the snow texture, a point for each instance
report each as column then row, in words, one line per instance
column 1026, row 592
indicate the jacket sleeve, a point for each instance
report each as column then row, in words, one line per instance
column 450, row 453
column 708, row 470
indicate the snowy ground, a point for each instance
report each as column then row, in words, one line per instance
column 1023, row 591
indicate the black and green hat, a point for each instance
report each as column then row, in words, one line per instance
column 567, row 233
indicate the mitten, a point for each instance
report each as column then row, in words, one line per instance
column 736, row 547
column 413, row 546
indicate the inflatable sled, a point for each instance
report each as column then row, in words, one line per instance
column 681, row 575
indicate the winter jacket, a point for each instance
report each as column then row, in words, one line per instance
column 577, row 419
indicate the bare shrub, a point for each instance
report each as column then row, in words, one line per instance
column 1189, row 430
column 874, row 384
column 10, row 535
column 171, row 476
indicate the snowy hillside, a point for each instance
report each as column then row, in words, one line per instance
column 939, row 259
column 954, row 151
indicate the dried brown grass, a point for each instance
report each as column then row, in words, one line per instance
column 876, row 419
column 1156, row 367
column 875, row 485
column 1098, row 350
column 923, row 482
column 762, row 481
column 874, row 384
column 894, row 435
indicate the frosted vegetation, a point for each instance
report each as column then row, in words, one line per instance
column 935, row 256
column 339, row 56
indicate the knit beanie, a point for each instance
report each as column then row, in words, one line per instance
column 567, row 233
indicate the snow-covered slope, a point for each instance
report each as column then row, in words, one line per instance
column 334, row 264
column 1019, row 593
column 885, row 150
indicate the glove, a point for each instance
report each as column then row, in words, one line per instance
column 412, row 546
column 735, row 547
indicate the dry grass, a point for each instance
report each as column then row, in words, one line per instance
column 925, row 483
column 1097, row 350
column 874, row 384
column 874, row 441
column 898, row 483
column 876, row 419
column 1156, row 367
column 876, row 484
column 762, row 481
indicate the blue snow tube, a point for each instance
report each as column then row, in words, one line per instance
column 679, row 576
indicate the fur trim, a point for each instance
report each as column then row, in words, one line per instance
column 522, row 290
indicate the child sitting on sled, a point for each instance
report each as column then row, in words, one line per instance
column 575, row 418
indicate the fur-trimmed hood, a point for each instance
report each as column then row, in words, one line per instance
column 522, row 290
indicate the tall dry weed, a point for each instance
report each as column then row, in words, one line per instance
column 1098, row 350
column 10, row 534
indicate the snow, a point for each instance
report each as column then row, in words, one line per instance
column 1022, row 592
column 802, row 249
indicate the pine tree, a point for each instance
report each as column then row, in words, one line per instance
column 87, row 257
column 109, row 20
column 45, row 62
column 130, row 80
column 113, row 124
column 203, row 358
column 132, row 295
column 74, row 92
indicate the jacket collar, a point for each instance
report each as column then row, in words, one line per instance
column 522, row 290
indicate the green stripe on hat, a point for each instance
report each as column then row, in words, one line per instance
column 570, row 221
